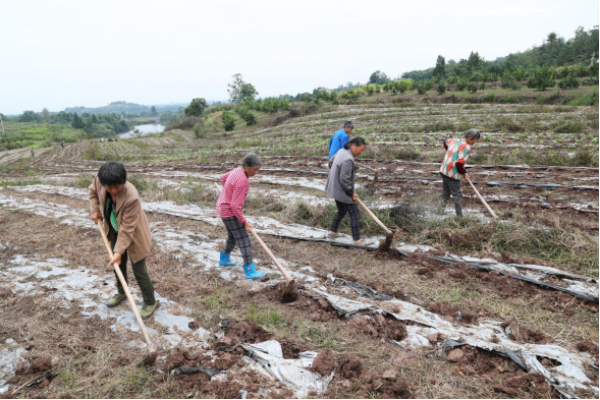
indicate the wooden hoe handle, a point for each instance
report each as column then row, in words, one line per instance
column 283, row 271
column 126, row 290
column 482, row 200
column 385, row 228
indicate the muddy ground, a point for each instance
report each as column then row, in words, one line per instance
column 59, row 339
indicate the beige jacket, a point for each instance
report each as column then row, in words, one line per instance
column 134, row 231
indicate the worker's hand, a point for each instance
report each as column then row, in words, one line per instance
column 97, row 216
column 116, row 259
column 467, row 177
column 248, row 226
column 354, row 196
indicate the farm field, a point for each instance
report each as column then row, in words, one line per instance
column 466, row 307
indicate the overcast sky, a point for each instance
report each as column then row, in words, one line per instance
column 59, row 54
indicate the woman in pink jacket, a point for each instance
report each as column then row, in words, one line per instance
column 229, row 207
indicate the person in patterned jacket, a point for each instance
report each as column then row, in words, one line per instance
column 453, row 167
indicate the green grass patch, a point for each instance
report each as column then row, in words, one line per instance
column 269, row 318
column 20, row 182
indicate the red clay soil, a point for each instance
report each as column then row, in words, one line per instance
column 449, row 310
column 291, row 349
column 247, row 332
column 350, row 367
column 390, row 327
column 592, row 349
column 324, row 363
column 502, row 285
column 525, row 335
column 502, row 373
column 36, row 365
column 282, row 292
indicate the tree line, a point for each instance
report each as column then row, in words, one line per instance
column 95, row 125
column 557, row 54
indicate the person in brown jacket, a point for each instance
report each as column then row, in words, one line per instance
column 118, row 204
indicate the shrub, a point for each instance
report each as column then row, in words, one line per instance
column 228, row 120
column 508, row 80
column 350, row 94
column 476, row 77
column 461, row 85
column 594, row 72
column 542, row 78
column 441, row 89
column 246, row 115
column 182, row 122
column 520, row 74
column 569, row 82
column 196, row 107
column 472, row 87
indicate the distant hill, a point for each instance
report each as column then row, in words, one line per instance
column 125, row 108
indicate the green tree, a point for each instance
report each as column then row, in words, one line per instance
column 77, row 122
column 508, row 80
column 240, row 91
column 440, row 68
column 153, row 111
column 474, row 61
column 476, row 77
column 30, row 116
column 45, row 114
column 541, row 78
column 569, row 81
column 246, row 115
column 228, row 120
column 378, row 77
column 196, row 107
column 441, row 89
column 520, row 74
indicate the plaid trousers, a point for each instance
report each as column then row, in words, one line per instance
column 237, row 234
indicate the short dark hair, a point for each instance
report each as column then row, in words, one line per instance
column 112, row 173
column 358, row 141
column 472, row 134
column 349, row 124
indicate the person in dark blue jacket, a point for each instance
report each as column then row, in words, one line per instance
column 340, row 138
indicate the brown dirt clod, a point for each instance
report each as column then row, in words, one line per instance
column 324, row 363
column 350, row 367
column 174, row 360
column 40, row 365
column 289, row 293
column 247, row 332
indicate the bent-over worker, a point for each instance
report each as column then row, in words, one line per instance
column 340, row 186
column 453, row 167
column 118, row 203
column 229, row 207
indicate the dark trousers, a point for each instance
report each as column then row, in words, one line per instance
column 452, row 186
column 141, row 276
column 343, row 209
column 237, row 234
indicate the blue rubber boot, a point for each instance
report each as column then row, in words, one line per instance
column 225, row 261
column 251, row 272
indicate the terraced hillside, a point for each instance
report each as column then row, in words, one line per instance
column 463, row 307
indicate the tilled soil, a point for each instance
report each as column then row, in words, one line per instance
column 494, row 368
